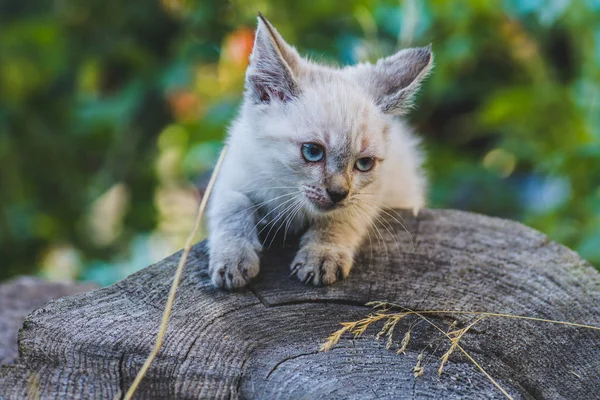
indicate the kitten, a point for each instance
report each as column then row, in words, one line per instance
column 318, row 149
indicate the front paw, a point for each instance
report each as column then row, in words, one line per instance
column 233, row 263
column 322, row 264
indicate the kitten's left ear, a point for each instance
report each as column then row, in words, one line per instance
column 394, row 80
column 273, row 66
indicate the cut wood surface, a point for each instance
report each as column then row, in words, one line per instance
column 263, row 342
column 20, row 296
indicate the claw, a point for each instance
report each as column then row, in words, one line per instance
column 309, row 277
column 244, row 272
column 295, row 270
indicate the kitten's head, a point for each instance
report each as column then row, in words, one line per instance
column 324, row 130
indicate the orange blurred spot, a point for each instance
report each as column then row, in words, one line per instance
column 238, row 46
column 184, row 104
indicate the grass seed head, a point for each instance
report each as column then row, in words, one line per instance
column 404, row 343
column 418, row 369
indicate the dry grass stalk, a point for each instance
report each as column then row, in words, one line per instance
column 487, row 375
column 33, row 387
column 336, row 336
column 455, row 337
column 386, row 306
column 359, row 327
column 178, row 272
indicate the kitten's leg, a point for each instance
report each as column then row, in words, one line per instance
column 327, row 249
column 233, row 241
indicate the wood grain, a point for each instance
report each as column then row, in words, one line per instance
column 20, row 296
column 263, row 342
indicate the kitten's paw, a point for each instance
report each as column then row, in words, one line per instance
column 233, row 264
column 321, row 264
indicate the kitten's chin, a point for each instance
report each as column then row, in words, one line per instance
column 324, row 208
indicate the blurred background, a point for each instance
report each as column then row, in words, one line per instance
column 112, row 111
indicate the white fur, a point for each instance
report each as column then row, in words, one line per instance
column 263, row 184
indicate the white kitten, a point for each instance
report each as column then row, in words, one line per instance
column 318, row 149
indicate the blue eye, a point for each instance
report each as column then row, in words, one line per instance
column 364, row 164
column 312, row 152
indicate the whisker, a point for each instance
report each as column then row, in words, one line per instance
column 377, row 231
column 368, row 223
column 279, row 217
column 291, row 218
column 382, row 207
column 270, row 212
column 264, row 203
column 387, row 227
column 282, row 223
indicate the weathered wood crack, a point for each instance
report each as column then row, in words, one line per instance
column 293, row 357
column 263, row 342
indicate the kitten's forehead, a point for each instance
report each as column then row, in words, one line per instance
column 340, row 113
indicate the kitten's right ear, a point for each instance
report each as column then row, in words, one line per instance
column 273, row 65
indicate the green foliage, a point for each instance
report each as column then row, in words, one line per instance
column 108, row 109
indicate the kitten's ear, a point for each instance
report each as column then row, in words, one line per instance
column 394, row 80
column 273, row 65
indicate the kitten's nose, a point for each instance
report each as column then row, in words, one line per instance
column 337, row 195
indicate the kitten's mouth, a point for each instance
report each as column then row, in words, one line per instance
column 323, row 205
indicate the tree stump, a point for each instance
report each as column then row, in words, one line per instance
column 18, row 297
column 263, row 342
